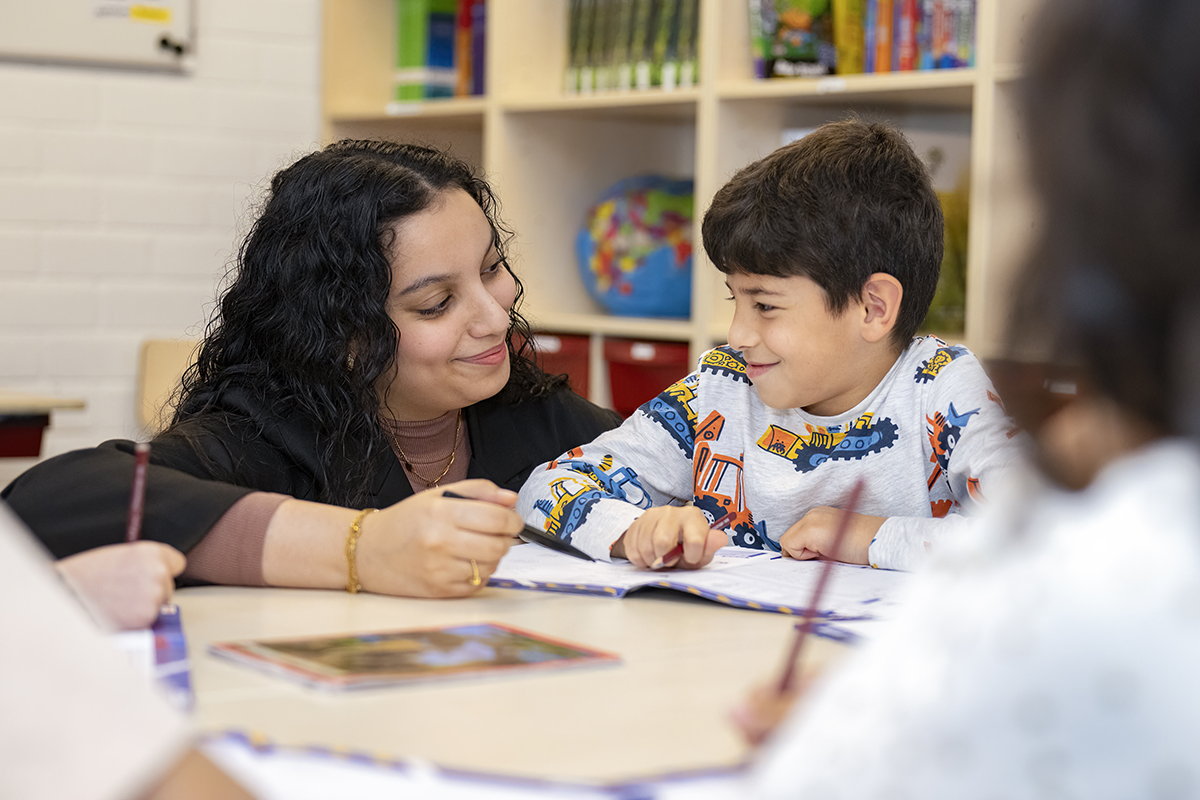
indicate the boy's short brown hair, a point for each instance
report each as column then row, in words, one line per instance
column 848, row 200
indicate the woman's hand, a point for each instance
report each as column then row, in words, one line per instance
column 423, row 546
column 125, row 582
column 659, row 530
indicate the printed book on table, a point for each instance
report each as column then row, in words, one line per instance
column 389, row 658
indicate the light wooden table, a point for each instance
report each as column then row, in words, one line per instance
column 685, row 664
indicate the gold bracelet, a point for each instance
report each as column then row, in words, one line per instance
column 352, row 584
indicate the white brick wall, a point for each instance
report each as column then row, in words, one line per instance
column 122, row 194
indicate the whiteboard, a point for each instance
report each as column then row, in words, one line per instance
column 143, row 33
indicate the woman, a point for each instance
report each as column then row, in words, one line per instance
column 368, row 348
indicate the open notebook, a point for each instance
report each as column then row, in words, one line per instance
column 755, row 579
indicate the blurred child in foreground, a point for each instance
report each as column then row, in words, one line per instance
column 1057, row 654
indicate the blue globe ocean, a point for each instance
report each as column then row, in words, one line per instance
column 635, row 247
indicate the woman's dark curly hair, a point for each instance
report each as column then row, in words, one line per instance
column 304, row 329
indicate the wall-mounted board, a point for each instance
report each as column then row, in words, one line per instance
column 154, row 34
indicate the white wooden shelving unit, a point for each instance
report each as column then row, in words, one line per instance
column 549, row 155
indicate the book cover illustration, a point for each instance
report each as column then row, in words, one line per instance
column 793, row 38
column 397, row 657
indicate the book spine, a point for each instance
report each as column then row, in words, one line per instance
column 848, row 35
column 571, row 76
column 596, row 46
column 940, row 33
column 462, row 49
column 478, row 47
column 600, row 45
column 883, row 36
column 966, row 33
column 906, row 36
column 411, row 23
column 605, row 74
column 689, row 31
column 440, row 48
column 645, row 26
column 870, row 31
column 587, row 19
column 664, row 70
column 622, row 59
column 925, row 35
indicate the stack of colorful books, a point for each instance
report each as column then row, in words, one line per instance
column 632, row 45
column 439, row 49
column 810, row 38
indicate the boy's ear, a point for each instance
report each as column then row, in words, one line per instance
column 881, row 296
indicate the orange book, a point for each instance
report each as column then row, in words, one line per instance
column 463, row 68
column 883, row 37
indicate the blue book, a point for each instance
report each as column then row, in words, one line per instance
column 869, row 25
column 478, row 48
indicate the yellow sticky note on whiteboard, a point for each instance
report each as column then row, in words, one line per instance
column 155, row 14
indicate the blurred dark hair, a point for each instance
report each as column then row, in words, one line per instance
column 1111, row 111
column 848, row 200
column 303, row 327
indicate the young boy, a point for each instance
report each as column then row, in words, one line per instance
column 832, row 247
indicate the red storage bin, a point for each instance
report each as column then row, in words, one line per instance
column 559, row 353
column 639, row 369
column 21, row 435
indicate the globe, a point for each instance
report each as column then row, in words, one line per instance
column 635, row 247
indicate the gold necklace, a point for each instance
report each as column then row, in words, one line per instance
column 408, row 465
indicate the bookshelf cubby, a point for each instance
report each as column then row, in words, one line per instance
column 550, row 154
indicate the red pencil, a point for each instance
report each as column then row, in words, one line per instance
column 677, row 550
column 802, row 630
column 137, row 496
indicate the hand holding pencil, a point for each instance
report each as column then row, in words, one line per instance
column 127, row 583
column 670, row 536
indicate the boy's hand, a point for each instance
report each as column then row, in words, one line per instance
column 813, row 535
column 655, row 533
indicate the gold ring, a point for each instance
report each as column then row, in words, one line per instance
column 475, row 579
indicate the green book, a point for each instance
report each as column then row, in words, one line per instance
column 664, row 70
column 645, row 26
column 574, row 54
column 689, row 36
column 603, row 39
column 425, row 49
column 622, row 58
column 587, row 36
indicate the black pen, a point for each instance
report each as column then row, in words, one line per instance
column 534, row 536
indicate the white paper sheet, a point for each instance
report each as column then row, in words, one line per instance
column 314, row 773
